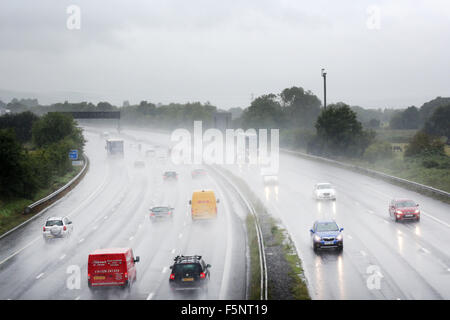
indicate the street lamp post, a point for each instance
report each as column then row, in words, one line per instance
column 324, row 75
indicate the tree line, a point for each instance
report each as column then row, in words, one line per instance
column 34, row 150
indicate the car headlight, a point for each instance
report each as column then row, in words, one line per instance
column 417, row 211
column 339, row 237
column 317, row 238
column 398, row 212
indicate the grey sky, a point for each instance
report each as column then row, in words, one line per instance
column 223, row 51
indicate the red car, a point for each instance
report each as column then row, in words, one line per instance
column 198, row 173
column 114, row 267
column 404, row 209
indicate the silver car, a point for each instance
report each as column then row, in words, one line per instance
column 57, row 227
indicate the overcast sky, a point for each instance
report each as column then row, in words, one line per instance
column 376, row 53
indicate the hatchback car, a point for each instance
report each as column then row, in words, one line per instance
column 327, row 234
column 170, row 176
column 404, row 209
column 189, row 273
column 157, row 213
column 57, row 227
column 324, row 191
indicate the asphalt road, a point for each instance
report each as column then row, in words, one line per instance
column 382, row 259
column 109, row 208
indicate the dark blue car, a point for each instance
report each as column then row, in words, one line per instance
column 327, row 234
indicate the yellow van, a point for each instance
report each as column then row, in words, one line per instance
column 203, row 205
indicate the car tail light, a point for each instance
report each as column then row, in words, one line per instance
column 172, row 276
column 43, row 229
column 202, row 275
column 170, row 212
column 152, row 214
column 89, row 276
column 126, row 275
column 65, row 228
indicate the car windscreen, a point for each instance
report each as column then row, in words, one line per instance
column 405, row 204
column 170, row 173
column 51, row 223
column 324, row 186
column 327, row 226
column 187, row 268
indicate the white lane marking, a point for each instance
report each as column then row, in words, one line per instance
column 164, row 270
column 349, row 236
column 40, row 276
column 20, row 250
column 173, row 251
column 363, row 253
column 370, row 211
column 62, row 257
column 150, row 296
column 436, row 219
column 180, row 236
column 81, row 240
column 387, row 222
column 425, row 250
column 131, row 238
column 95, row 228
column 140, row 226
column 77, row 298
column 105, row 217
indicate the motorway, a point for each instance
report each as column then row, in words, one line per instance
column 381, row 259
column 109, row 208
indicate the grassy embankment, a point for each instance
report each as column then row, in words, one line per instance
column 11, row 210
column 410, row 169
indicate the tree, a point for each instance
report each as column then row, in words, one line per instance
column 439, row 123
column 340, row 133
column 423, row 144
column 264, row 112
column 407, row 119
column 301, row 107
column 54, row 127
column 16, row 178
column 22, row 123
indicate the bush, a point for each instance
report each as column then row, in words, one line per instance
column 379, row 150
column 423, row 144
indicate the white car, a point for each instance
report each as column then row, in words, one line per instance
column 324, row 191
column 57, row 227
column 269, row 176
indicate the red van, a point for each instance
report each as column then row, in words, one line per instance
column 114, row 267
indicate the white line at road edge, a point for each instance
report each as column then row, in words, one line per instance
column 150, row 296
column 39, row 276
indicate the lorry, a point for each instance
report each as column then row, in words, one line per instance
column 114, row 147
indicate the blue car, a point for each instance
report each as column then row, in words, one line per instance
column 327, row 234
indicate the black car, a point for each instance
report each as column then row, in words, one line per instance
column 170, row 175
column 157, row 213
column 327, row 234
column 189, row 273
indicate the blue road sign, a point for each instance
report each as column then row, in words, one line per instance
column 73, row 154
